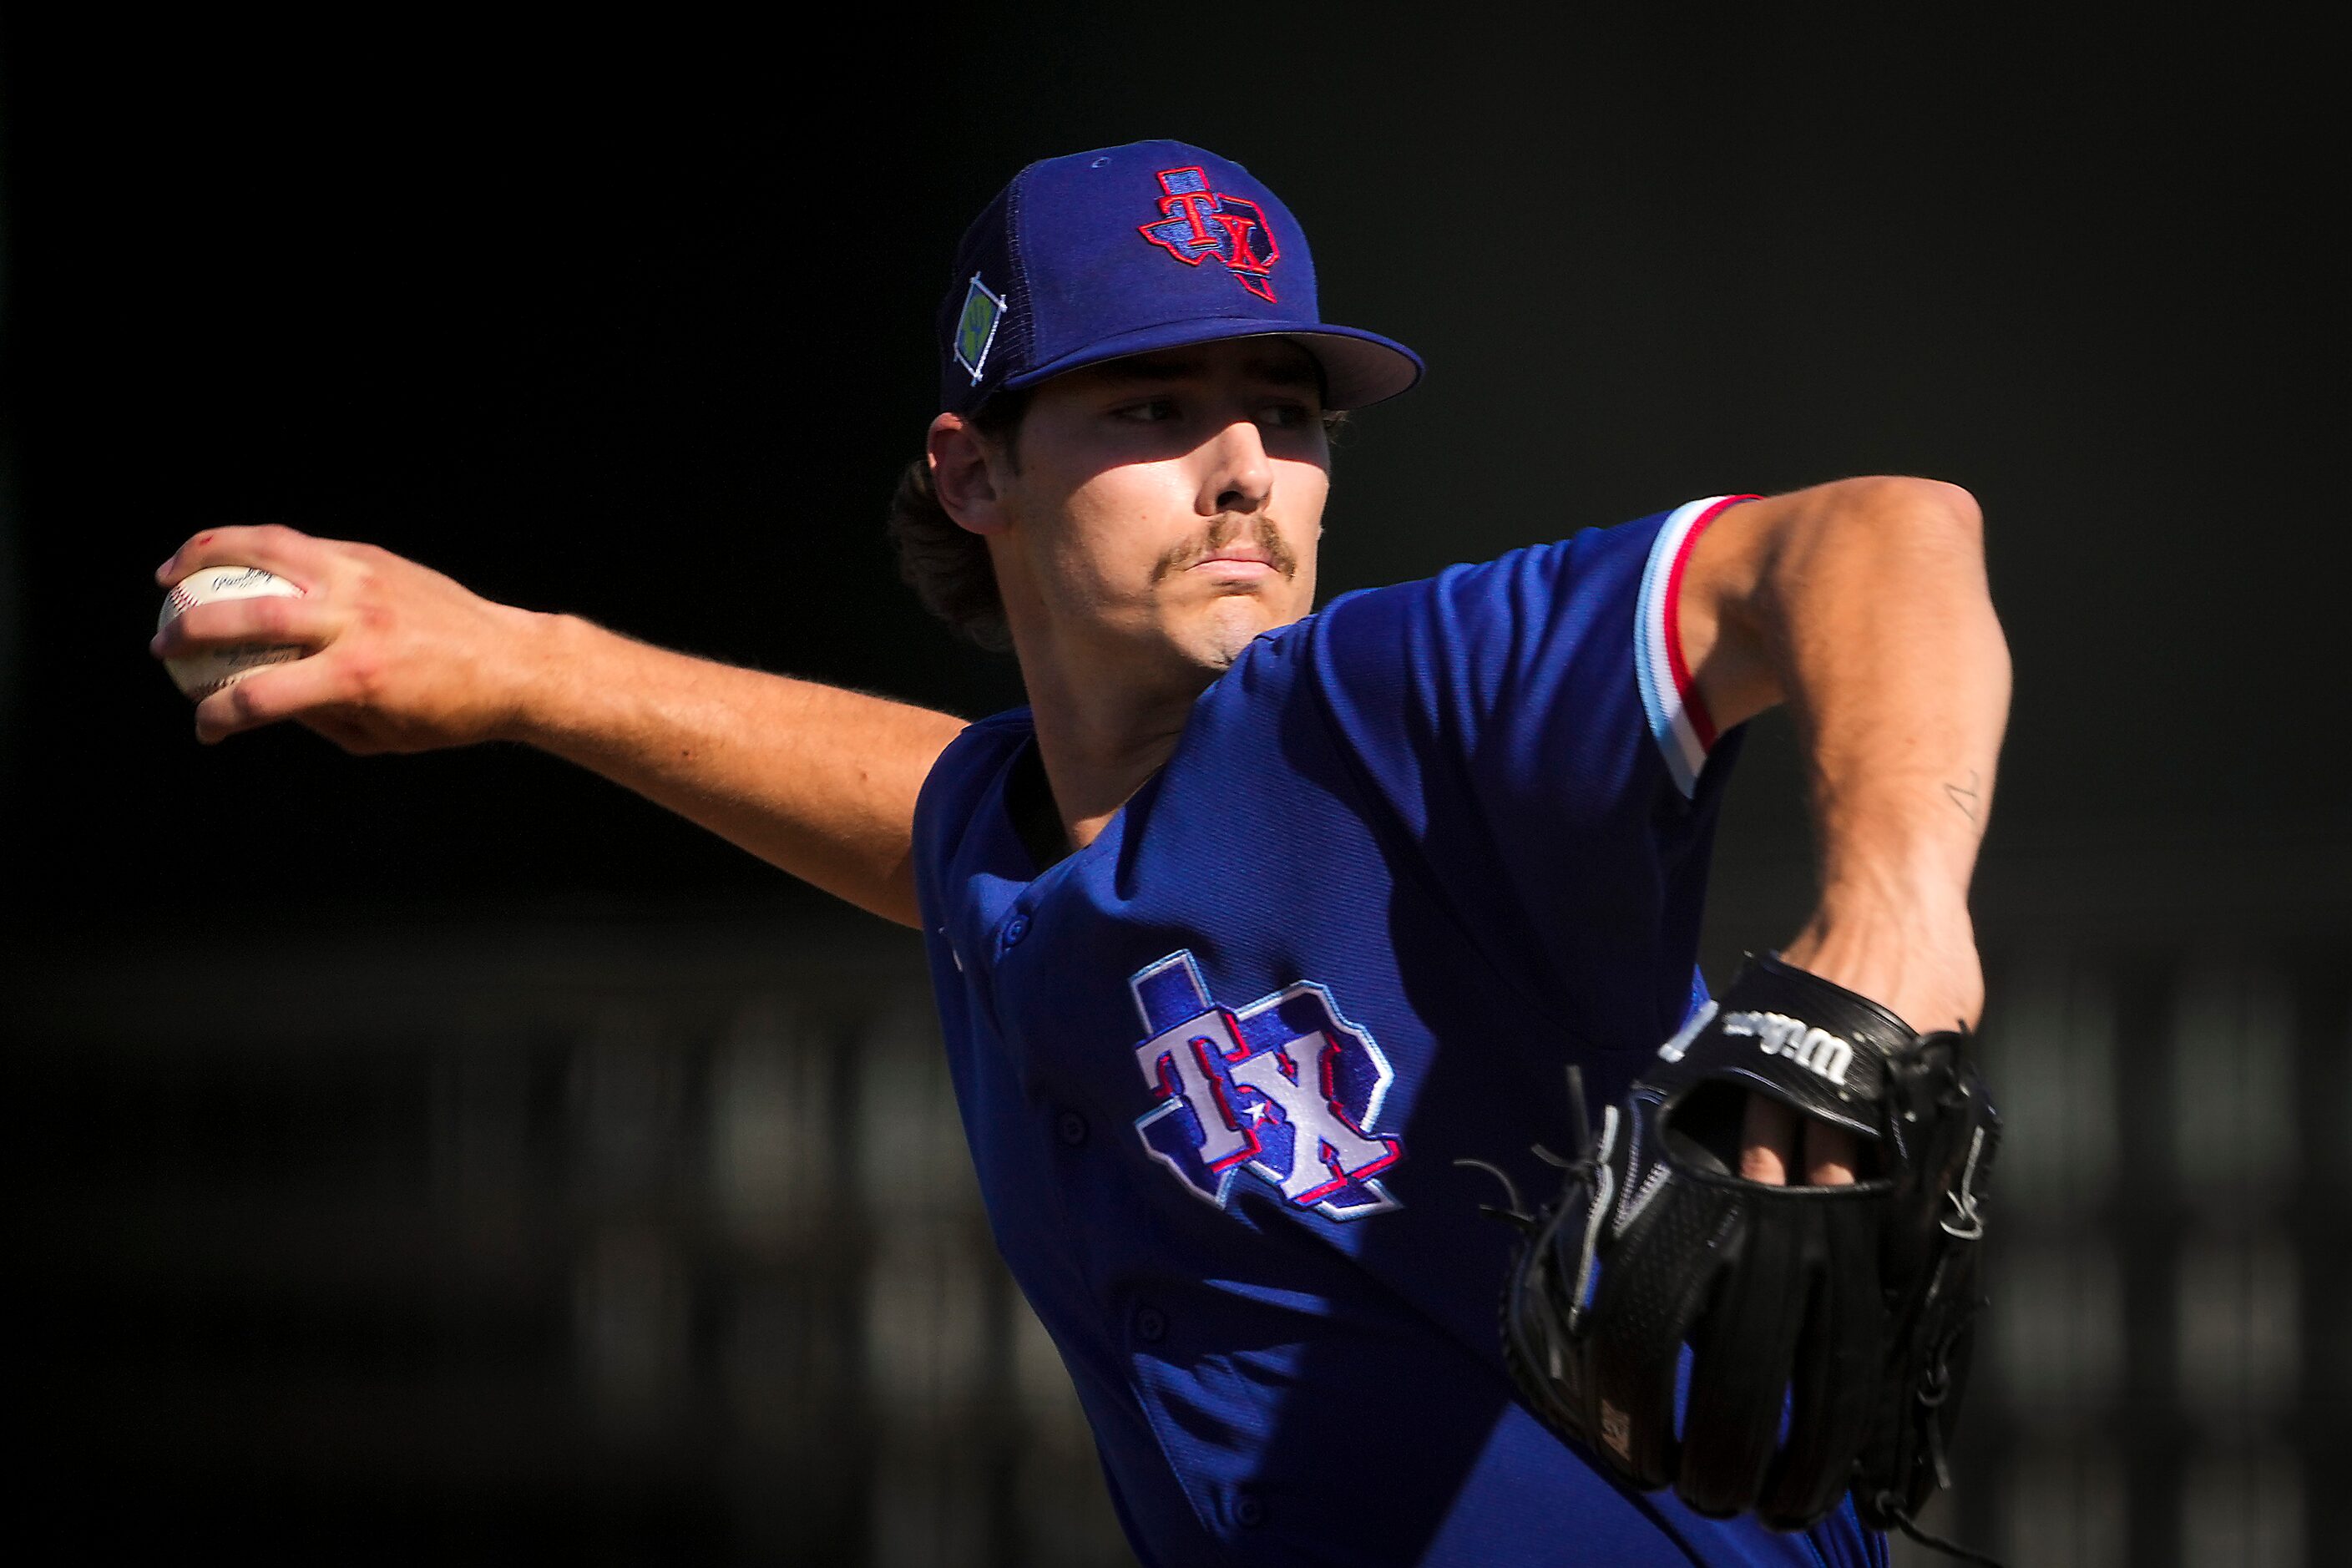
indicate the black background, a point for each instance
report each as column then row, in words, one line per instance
column 632, row 320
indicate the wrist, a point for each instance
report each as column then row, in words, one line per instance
column 546, row 652
column 1918, row 959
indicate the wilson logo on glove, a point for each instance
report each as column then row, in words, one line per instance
column 1815, row 1050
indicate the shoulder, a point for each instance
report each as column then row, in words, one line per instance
column 1551, row 660
column 973, row 762
column 1589, row 566
column 1524, row 599
column 1003, row 731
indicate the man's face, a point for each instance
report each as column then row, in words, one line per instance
column 1165, row 509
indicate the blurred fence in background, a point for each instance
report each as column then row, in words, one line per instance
column 614, row 1244
column 2163, row 1375
column 632, row 1243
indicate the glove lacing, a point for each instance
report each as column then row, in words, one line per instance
column 1936, row 1382
column 1586, row 1167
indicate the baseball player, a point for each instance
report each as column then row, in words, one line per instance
column 1257, row 920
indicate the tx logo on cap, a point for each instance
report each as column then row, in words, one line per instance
column 1196, row 223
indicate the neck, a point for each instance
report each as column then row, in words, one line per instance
column 1101, row 738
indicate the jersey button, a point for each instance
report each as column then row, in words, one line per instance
column 1016, row 929
column 1248, row 1511
column 1150, row 1325
column 1072, row 1127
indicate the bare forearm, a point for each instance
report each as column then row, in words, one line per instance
column 814, row 779
column 1863, row 605
column 1886, row 642
column 819, row 781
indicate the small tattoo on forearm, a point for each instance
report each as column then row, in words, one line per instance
column 1967, row 798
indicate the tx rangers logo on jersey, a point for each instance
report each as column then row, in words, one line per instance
column 1285, row 1090
column 1196, row 223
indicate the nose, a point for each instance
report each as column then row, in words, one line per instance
column 1237, row 476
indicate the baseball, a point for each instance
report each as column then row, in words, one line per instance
column 202, row 674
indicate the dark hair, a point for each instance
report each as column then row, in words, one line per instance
column 945, row 562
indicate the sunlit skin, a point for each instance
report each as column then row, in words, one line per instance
column 1153, row 516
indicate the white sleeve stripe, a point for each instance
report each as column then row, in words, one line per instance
column 1662, row 697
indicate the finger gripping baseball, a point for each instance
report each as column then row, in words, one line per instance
column 1824, row 1330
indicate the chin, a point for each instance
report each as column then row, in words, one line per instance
column 1232, row 625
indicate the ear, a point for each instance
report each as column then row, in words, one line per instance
column 961, row 476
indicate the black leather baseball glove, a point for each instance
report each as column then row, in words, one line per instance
column 1827, row 1327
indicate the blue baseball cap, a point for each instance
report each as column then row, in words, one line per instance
column 1127, row 250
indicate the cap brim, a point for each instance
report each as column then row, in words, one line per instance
column 1360, row 368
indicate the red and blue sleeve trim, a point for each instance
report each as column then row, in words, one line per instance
column 1677, row 713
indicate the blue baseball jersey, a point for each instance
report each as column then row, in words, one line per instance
column 1410, row 856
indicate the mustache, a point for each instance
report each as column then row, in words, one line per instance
column 1262, row 530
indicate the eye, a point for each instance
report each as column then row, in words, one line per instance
column 1151, row 411
column 1287, row 415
